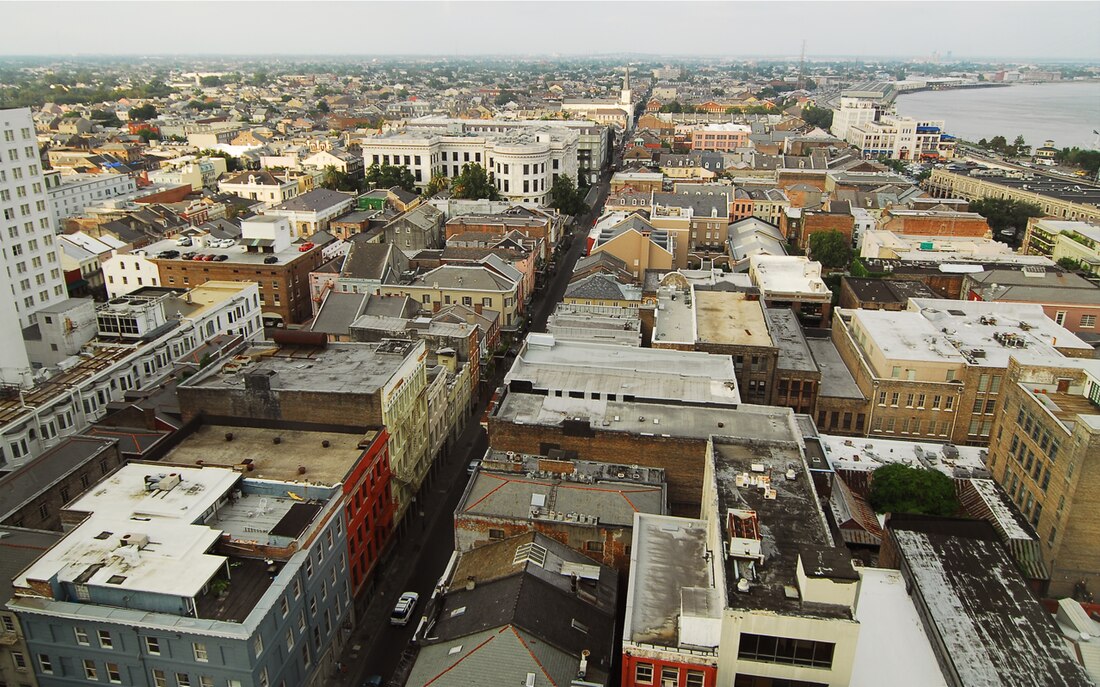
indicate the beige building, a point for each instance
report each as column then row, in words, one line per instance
column 637, row 242
column 262, row 186
column 1045, row 453
column 945, row 184
column 1057, row 239
column 936, row 370
column 473, row 286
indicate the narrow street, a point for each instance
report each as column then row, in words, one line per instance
column 422, row 548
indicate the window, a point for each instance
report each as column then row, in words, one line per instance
column 152, row 646
column 670, row 675
column 258, row 645
column 19, row 660
column 949, row 403
column 44, row 664
column 183, row 680
column 114, row 674
column 643, row 673
column 695, row 678
column 496, row 534
column 263, row 677
column 206, row 681
column 81, row 636
column 90, row 672
column 289, row 640
column 105, row 639
column 1088, row 321
column 159, row 679
column 199, row 650
column 1060, row 317
column 800, row 652
column 9, row 624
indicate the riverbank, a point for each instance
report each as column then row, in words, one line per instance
column 1067, row 112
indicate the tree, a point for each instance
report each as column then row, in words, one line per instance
column 210, row 81
column 322, row 106
column 1005, row 213
column 143, row 112
column 898, row 488
column 388, row 176
column 503, row 98
column 821, row 117
column 565, row 197
column 474, row 183
column 336, row 180
column 830, row 248
column 436, row 184
column 148, row 135
column 1069, row 264
column 232, row 164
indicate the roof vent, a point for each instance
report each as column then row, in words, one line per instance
column 743, row 586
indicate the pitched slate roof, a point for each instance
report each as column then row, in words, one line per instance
column 315, row 200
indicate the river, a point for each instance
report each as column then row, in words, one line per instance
column 1068, row 112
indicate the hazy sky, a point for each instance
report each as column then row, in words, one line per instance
column 1055, row 30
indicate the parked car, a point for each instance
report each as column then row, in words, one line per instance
column 208, row 257
column 221, row 258
column 271, row 260
column 473, row 466
column 168, row 254
column 406, row 604
column 188, row 255
column 305, row 247
column 183, row 241
column 198, row 257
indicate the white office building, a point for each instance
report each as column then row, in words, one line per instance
column 524, row 162
column 31, row 266
column 70, row 193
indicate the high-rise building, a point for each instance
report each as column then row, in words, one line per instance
column 32, row 269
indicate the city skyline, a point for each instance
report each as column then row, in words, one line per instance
column 1029, row 30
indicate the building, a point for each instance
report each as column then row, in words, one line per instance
column 18, row 548
column 523, row 610
column 704, row 599
column 69, row 194
column 881, row 294
column 33, row 270
column 950, row 223
column 540, row 224
column 617, row 112
column 266, row 254
column 364, row 386
column 617, row 324
column 81, row 257
column 637, row 243
column 417, row 229
column 900, row 138
column 1060, row 199
column 260, row 185
column 641, row 182
column 1068, row 299
column 792, row 282
column 195, row 574
column 129, row 346
column 937, row 369
column 469, row 285
column 1043, row 451
column 887, row 245
column 523, row 162
column 312, row 211
column 602, row 291
column 859, row 106
column 587, row 506
column 1077, row 241
column 356, row 463
column 981, row 633
column 721, row 137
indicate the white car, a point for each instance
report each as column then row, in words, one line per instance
column 406, row 604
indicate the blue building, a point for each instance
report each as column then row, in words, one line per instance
column 190, row 577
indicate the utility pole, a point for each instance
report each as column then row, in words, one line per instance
column 802, row 65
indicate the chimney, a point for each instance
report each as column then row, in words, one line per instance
column 149, row 418
column 436, row 306
column 470, row 583
column 478, row 307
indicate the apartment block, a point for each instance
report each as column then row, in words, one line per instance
column 1044, row 451
column 354, row 386
column 198, row 575
column 938, row 368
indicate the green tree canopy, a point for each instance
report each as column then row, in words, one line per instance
column 436, row 184
column 1005, row 213
column 830, row 248
column 898, row 488
column 388, row 176
column 338, row 181
column 143, row 112
column 565, row 197
column 821, row 117
column 322, row 106
column 474, row 183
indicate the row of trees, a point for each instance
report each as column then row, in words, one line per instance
column 821, row 117
column 1088, row 160
column 1005, row 214
column 999, row 144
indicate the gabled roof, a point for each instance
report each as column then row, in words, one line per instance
column 337, row 312
column 602, row 286
column 473, row 277
column 368, row 260
column 256, row 177
column 315, row 200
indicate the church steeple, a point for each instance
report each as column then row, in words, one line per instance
column 625, row 96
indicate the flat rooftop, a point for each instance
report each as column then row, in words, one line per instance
column 794, row 353
column 175, row 559
column 326, row 466
column 669, row 571
column 978, row 608
column 1074, row 191
column 592, row 494
column 790, row 523
column 1068, row 408
column 724, row 317
column 892, row 640
column 656, row 419
column 836, row 378
column 236, row 255
column 350, row 368
column 869, row 453
column 674, row 321
column 788, row 274
column 594, row 370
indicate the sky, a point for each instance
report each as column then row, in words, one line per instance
column 989, row 29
